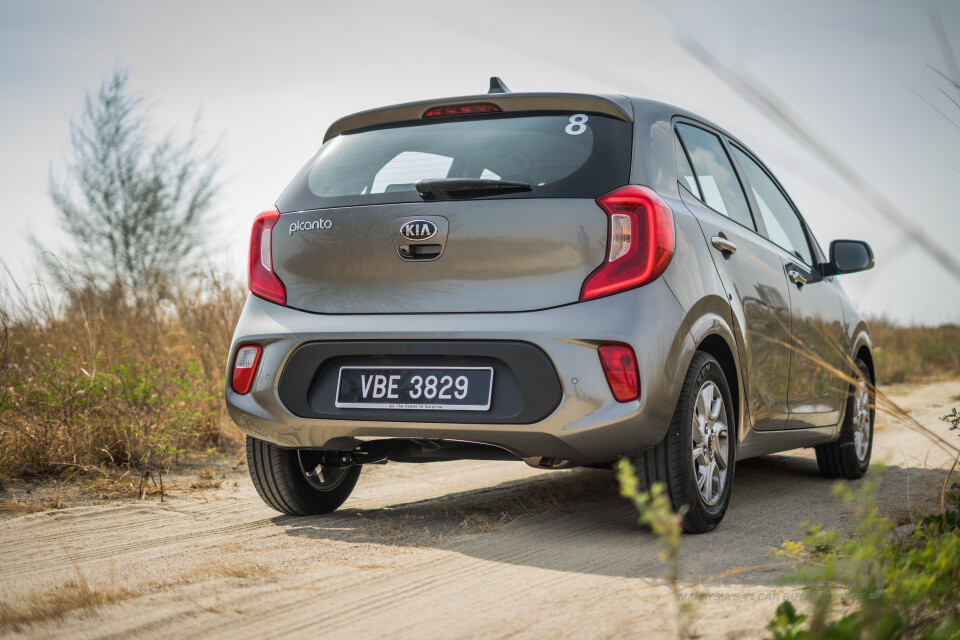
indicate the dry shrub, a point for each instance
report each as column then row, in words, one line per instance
column 113, row 376
column 915, row 354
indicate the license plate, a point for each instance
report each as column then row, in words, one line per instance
column 419, row 388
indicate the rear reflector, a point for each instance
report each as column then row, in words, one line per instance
column 461, row 110
column 620, row 366
column 244, row 368
column 640, row 245
column 263, row 282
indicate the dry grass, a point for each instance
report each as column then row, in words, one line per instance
column 78, row 594
column 214, row 569
column 915, row 354
column 16, row 507
column 72, row 595
column 110, row 378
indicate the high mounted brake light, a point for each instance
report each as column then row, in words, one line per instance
column 263, row 282
column 640, row 245
column 461, row 110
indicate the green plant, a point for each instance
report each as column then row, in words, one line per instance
column 657, row 513
column 787, row 624
column 905, row 587
column 953, row 418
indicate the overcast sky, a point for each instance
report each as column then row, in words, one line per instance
column 268, row 78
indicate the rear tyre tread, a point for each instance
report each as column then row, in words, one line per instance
column 665, row 463
column 279, row 480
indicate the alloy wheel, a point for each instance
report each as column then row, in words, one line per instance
column 711, row 444
column 862, row 424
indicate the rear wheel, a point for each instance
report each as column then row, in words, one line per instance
column 295, row 481
column 695, row 459
column 849, row 455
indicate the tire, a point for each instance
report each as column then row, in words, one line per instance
column 675, row 463
column 849, row 455
column 293, row 481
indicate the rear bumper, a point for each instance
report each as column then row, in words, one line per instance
column 586, row 425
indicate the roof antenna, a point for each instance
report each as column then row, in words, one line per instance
column 497, row 86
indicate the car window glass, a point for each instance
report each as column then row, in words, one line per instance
column 407, row 167
column 685, row 172
column 718, row 180
column 560, row 155
column 784, row 227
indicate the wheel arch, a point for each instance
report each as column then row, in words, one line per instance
column 863, row 349
column 711, row 331
column 717, row 346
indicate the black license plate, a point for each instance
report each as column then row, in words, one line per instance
column 418, row 388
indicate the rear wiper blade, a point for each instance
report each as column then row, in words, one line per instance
column 457, row 188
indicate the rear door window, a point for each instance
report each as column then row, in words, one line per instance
column 784, row 227
column 719, row 184
column 685, row 171
column 560, row 155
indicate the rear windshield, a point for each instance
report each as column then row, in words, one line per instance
column 573, row 155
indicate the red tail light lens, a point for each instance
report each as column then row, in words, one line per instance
column 244, row 368
column 262, row 280
column 640, row 245
column 620, row 366
column 461, row 110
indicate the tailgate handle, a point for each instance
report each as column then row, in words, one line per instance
column 419, row 251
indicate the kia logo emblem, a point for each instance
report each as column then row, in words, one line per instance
column 418, row 230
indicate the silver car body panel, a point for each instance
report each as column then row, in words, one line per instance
column 519, row 255
column 587, row 426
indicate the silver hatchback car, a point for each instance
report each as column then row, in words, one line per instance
column 562, row 279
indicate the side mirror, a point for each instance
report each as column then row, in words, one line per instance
column 848, row 256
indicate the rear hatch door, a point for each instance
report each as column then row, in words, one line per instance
column 356, row 236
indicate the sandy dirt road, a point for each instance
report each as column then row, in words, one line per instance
column 451, row 550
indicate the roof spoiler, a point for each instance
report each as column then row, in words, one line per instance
column 614, row 105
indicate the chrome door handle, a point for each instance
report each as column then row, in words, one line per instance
column 723, row 244
column 796, row 276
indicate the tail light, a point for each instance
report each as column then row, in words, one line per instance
column 244, row 368
column 620, row 366
column 640, row 245
column 262, row 280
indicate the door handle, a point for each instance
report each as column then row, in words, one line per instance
column 796, row 276
column 725, row 246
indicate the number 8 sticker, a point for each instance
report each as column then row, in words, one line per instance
column 578, row 124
